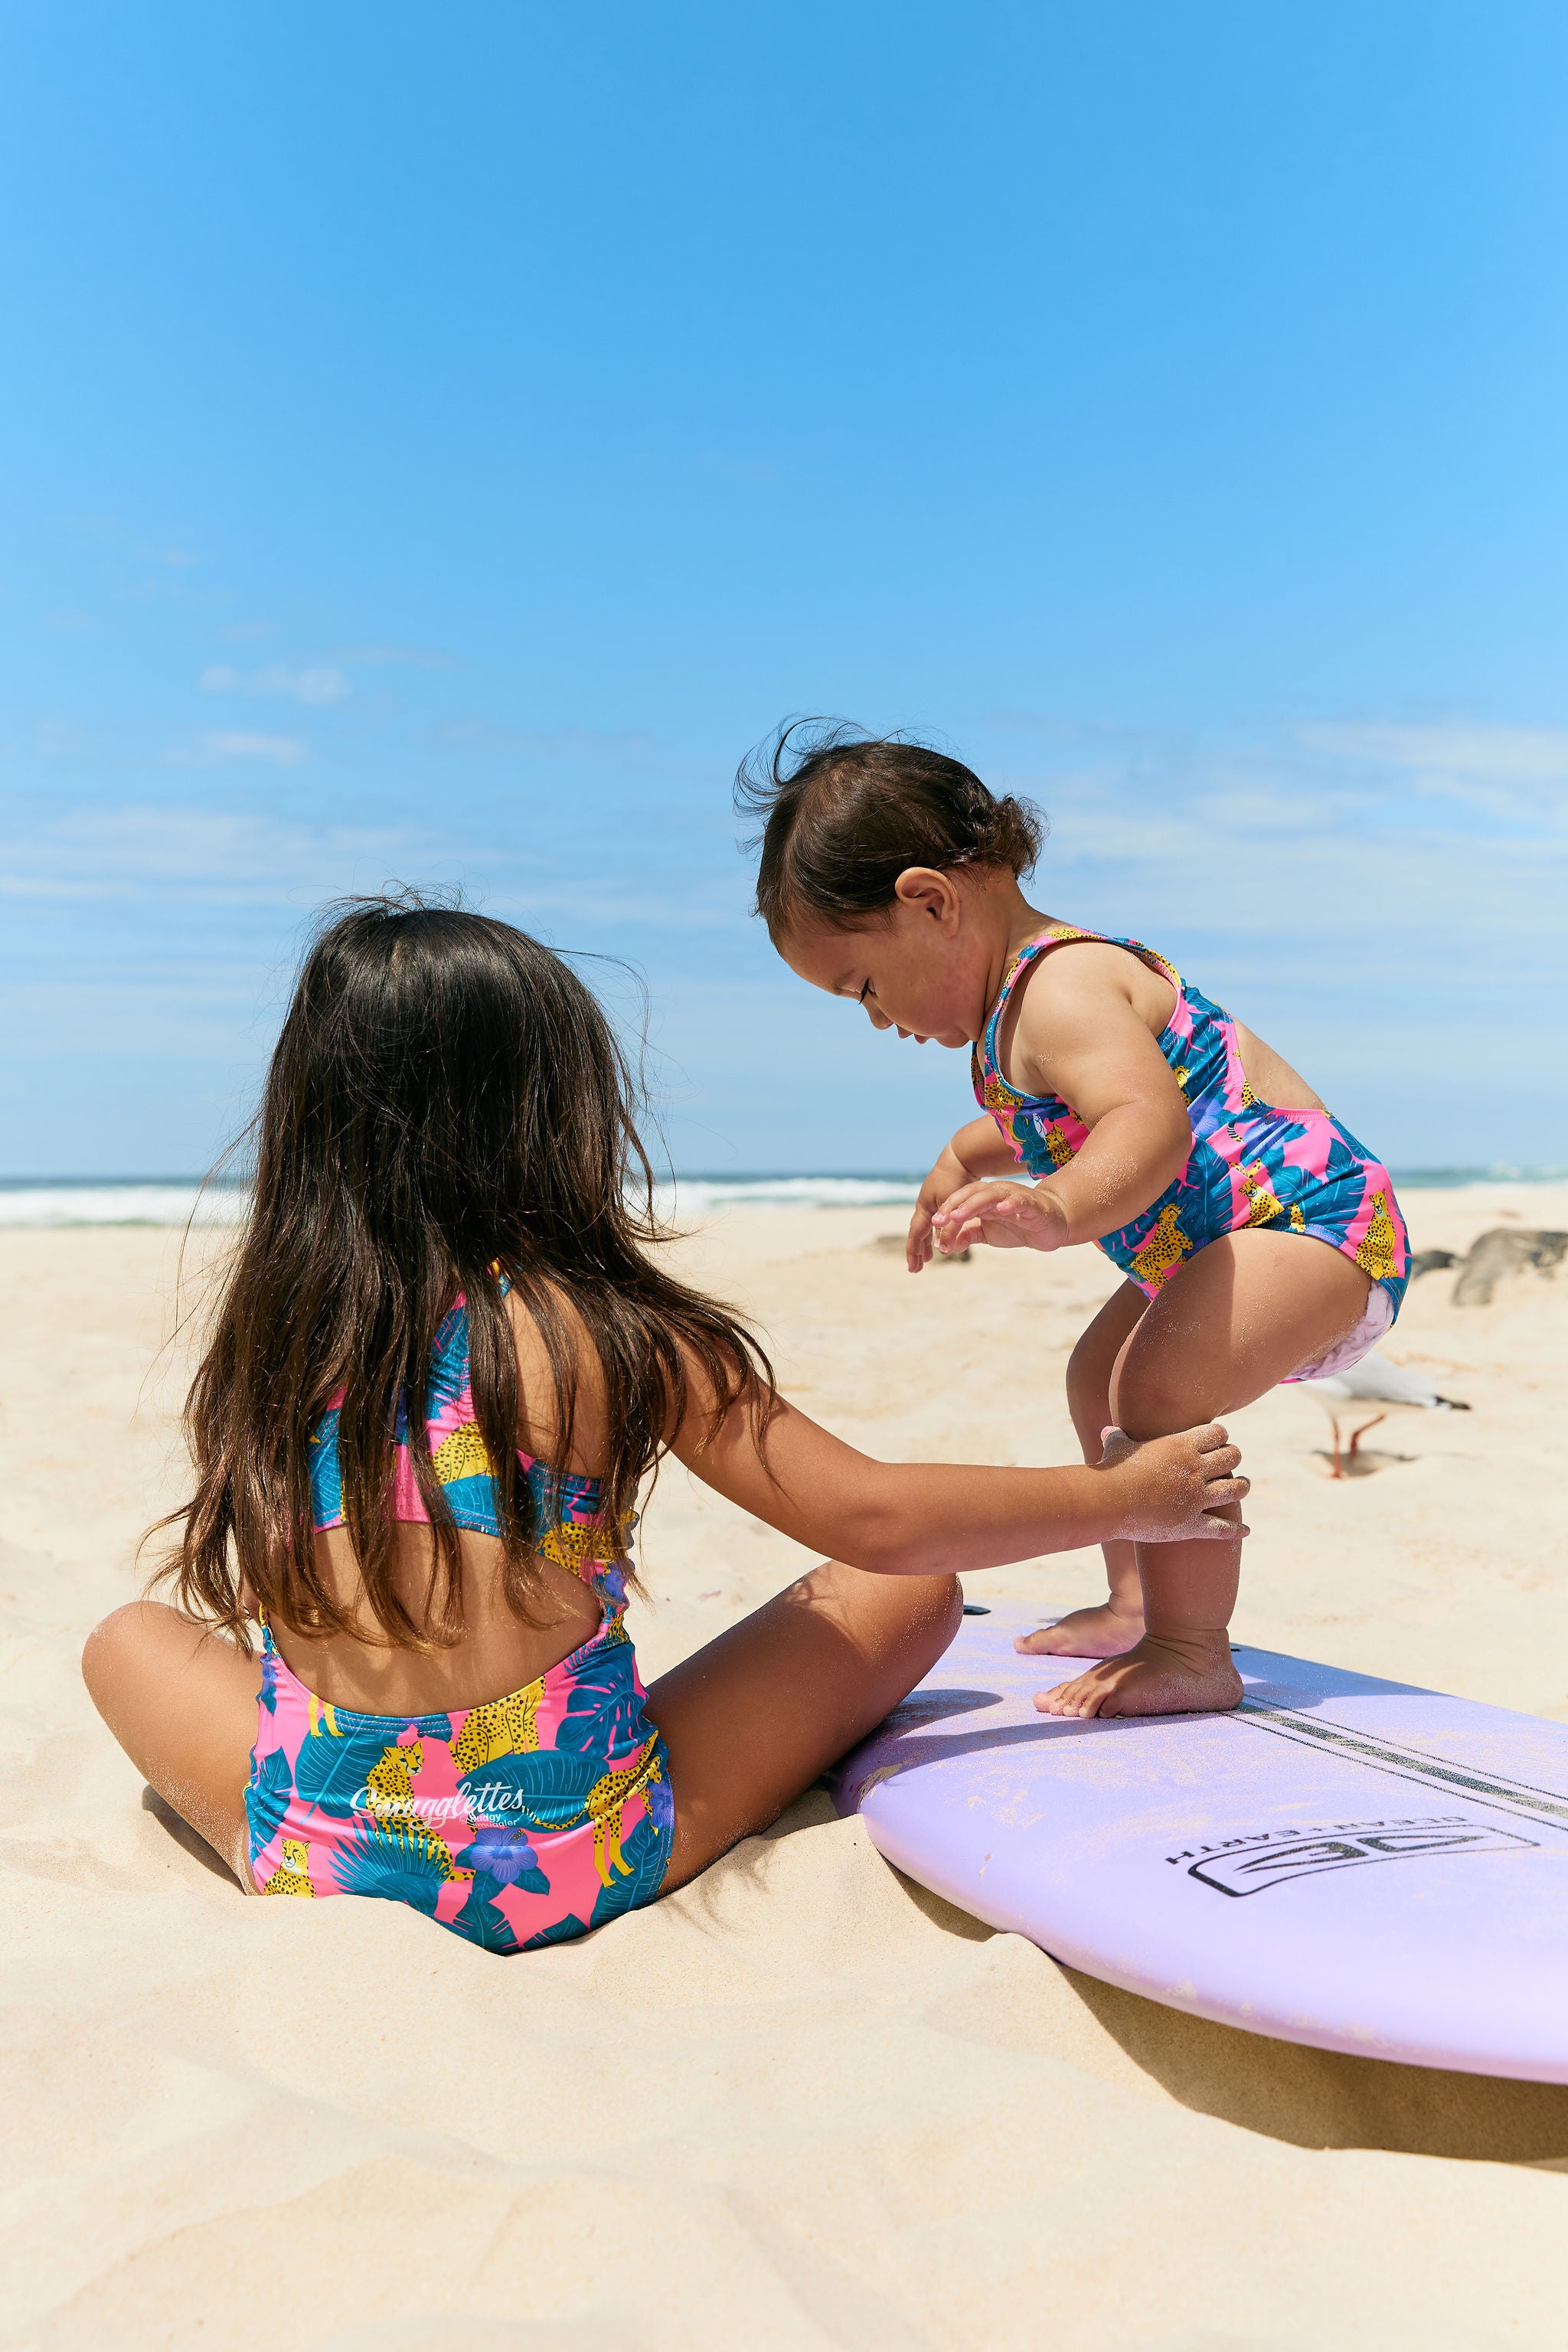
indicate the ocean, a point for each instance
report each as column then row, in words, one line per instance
column 40, row 1201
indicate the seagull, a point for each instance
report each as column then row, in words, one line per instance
column 1376, row 1381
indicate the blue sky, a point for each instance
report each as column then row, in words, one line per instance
column 435, row 446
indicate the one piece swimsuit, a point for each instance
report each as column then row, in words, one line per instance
column 1292, row 1171
column 522, row 1821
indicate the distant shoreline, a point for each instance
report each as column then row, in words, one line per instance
column 53, row 1203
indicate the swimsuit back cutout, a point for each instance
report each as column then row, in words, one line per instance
column 1251, row 1163
column 568, row 1508
column 519, row 1822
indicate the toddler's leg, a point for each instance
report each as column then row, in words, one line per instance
column 1111, row 1626
column 1243, row 1315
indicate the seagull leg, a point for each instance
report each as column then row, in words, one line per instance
column 1339, row 1469
column 1357, row 1435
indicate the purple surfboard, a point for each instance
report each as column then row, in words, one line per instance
column 1357, row 1865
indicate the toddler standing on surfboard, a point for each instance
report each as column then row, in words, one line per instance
column 1259, row 1240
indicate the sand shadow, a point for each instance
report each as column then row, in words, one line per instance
column 1366, row 1463
column 1322, row 2098
column 195, row 1845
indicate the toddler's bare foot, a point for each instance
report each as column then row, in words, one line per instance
column 1192, row 1676
column 1102, row 1633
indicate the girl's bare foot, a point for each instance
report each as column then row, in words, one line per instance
column 1102, row 1633
column 1169, row 1674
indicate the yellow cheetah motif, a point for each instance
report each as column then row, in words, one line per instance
column 997, row 1094
column 605, row 1805
column 1058, row 1147
column 1375, row 1252
column 1163, row 1251
column 1261, row 1203
column 292, row 1875
column 461, row 1454
column 502, row 1727
column 1298, row 1221
column 389, row 1801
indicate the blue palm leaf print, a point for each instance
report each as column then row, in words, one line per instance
column 267, row 1797
column 562, row 1932
column 648, row 1856
column 326, row 1478
column 389, row 1863
column 479, row 1920
column 604, row 1712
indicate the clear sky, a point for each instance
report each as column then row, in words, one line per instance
column 436, row 443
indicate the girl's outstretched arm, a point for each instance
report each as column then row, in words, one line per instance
column 1079, row 1036
column 928, row 1518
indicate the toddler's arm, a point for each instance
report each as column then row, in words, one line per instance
column 1079, row 1036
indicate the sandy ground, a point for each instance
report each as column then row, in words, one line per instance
column 801, row 2104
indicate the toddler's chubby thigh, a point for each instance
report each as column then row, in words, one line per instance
column 1238, row 1318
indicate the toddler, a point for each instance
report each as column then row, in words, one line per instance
column 1259, row 1240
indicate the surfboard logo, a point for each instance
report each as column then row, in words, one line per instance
column 1264, row 1858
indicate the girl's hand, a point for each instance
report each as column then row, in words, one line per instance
column 1175, row 1485
column 1004, row 1214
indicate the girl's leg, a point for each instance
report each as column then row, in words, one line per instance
column 1111, row 1626
column 180, row 1701
column 1244, row 1314
column 753, row 1718
column 749, row 1722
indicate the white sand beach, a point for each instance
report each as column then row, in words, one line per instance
column 802, row 2104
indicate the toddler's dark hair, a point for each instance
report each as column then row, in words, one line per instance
column 842, row 815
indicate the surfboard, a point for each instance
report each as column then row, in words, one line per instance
column 1357, row 1864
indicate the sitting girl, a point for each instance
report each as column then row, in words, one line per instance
column 443, row 1363
column 1260, row 1241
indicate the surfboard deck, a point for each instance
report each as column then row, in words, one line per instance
column 1357, row 1864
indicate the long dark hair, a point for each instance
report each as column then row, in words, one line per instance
column 447, row 1110
column 841, row 815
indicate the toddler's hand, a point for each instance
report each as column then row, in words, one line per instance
column 1004, row 1214
column 945, row 1178
column 1174, row 1484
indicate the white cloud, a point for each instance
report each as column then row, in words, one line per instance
column 282, row 751
column 195, row 856
column 1504, row 755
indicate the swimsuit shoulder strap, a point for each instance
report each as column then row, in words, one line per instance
column 1058, row 935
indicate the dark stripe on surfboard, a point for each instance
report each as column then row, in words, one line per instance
column 1491, row 1788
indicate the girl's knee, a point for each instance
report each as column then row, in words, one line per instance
column 128, row 1641
column 110, row 1646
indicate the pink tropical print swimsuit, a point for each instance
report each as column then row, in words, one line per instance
column 1295, row 1171
column 525, row 1821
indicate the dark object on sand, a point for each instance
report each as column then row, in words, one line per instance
column 892, row 1246
column 1430, row 1261
column 976, row 1609
column 1504, row 1252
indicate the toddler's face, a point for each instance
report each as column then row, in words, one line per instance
column 910, row 974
